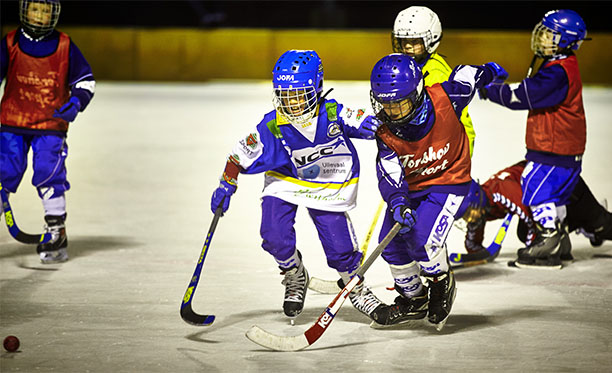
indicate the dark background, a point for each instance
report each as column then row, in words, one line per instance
column 323, row 14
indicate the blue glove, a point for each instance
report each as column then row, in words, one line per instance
column 69, row 110
column 221, row 196
column 499, row 73
column 403, row 214
column 368, row 127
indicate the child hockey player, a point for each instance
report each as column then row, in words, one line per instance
column 417, row 32
column 556, row 131
column 304, row 148
column 48, row 82
column 502, row 194
column 423, row 168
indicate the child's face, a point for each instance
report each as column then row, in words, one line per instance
column 294, row 101
column 413, row 47
column 546, row 39
column 39, row 14
column 398, row 109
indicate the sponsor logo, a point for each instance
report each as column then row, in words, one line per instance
column 285, row 78
column 386, row 95
column 318, row 153
column 311, row 172
column 324, row 321
column 440, row 230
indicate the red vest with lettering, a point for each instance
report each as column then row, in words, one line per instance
column 35, row 87
column 442, row 157
column 560, row 129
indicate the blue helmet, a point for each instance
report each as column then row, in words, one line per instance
column 397, row 89
column 298, row 83
column 39, row 17
column 558, row 30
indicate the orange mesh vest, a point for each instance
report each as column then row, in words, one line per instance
column 560, row 129
column 442, row 157
column 35, row 87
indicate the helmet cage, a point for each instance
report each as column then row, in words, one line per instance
column 558, row 30
column 382, row 108
column 296, row 105
column 34, row 28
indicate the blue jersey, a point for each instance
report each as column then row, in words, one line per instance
column 314, row 164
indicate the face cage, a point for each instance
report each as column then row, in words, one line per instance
column 474, row 214
column 38, row 30
column 545, row 41
column 296, row 105
column 381, row 113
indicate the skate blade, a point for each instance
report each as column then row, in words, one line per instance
column 535, row 266
column 408, row 324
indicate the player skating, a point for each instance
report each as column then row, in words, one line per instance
column 502, row 194
column 555, row 135
column 417, row 32
column 48, row 82
column 423, row 167
column 304, row 148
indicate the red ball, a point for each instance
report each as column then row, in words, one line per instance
column 11, row 343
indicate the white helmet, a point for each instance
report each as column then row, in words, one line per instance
column 417, row 22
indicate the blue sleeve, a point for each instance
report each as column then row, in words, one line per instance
column 464, row 82
column 80, row 77
column 3, row 59
column 390, row 173
column 547, row 88
column 273, row 154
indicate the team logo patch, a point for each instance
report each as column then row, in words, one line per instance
column 333, row 130
column 360, row 113
column 251, row 140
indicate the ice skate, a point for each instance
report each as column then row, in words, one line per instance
column 546, row 250
column 403, row 311
column 442, row 293
column 363, row 299
column 54, row 251
column 296, row 283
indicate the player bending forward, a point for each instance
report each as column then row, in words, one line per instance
column 304, row 148
column 502, row 194
column 423, row 168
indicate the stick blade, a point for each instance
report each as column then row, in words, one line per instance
column 323, row 286
column 276, row 342
column 193, row 318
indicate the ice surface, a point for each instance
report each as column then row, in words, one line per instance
column 144, row 160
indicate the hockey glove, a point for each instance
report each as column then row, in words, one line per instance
column 69, row 110
column 499, row 73
column 221, row 196
column 403, row 214
column 368, row 127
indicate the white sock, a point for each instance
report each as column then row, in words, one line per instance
column 407, row 278
column 55, row 206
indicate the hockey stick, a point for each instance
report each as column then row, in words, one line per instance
column 187, row 312
column 331, row 287
column 312, row 334
column 12, row 225
column 483, row 256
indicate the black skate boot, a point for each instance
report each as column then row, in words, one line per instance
column 296, row 283
column 54, row 251
column 404, row 310
column 363, row 299
column 442, row 293
column 545, row 251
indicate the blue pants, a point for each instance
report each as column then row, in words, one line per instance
column 436, row 213
column 48, row 162
column 543, row 183
column 334, row 228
